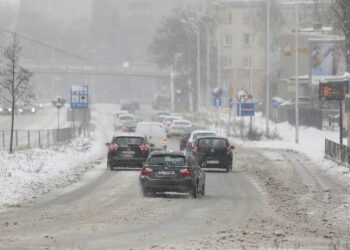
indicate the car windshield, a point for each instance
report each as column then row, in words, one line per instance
column 195, row 136
column 212, row 143
column 127, row 141
column 169, row 160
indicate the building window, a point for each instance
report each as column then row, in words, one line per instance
column 247, row 16
column 228, row 17
column 227, row 41
column 227, row 62
column 247, row 62
column 247, row 40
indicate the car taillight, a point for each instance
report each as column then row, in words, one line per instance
column 113, row 148
column 229, row 150
column 189, row 144
column 185, row 137
column 186, row 172
column 144, row 149
column 146, row 171
column 173, row 127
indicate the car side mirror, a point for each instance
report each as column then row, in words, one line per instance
column 152, row 145
column 232, row 147
column 108, row 144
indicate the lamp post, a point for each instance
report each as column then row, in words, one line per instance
column 296, row 72
column 58, row 103
column 268, row 69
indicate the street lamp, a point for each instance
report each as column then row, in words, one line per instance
column 296, row 72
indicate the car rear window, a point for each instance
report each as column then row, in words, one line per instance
column 127, row 141
column 126, row 118
column 212, row 143
column 181, row 123
column 195, row 136
column 168, row 160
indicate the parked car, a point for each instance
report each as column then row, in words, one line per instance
column 127, row 151
column 172, row 172
column 178, row 127
column 196, row 134
column 122, row 119
column 213, row 152
column 154, row 132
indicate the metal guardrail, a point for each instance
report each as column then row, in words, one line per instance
column 337, row 152
column 25, row 139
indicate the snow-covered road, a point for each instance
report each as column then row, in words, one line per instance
column 275, row 198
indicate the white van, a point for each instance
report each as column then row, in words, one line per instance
column 155, row 133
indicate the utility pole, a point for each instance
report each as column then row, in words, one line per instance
column 268, row 70
column 296, row 72
column 198, row 68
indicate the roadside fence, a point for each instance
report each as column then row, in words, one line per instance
column 25, row 139
column 337, row 152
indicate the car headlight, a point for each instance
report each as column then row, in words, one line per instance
column 1, row 109
column 165, row 142
column 41, row 105
column 10, row 109
column 33, row 110
column 20, row 110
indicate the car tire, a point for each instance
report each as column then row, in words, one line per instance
column 229, row 169
column 109, row 167
column 203, row 190
column 194, row 192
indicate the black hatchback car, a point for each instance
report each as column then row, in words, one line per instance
column 172, row 172
column 213, row 152
column 127, row 151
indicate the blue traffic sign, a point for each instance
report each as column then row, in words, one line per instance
column 217, row 102
column 79, row 97
column 245, row 109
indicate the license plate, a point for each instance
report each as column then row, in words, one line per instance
column 212, row 162
column 166, row 173
column 128, row 153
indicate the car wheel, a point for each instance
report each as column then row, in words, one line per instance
column 109, row 167
column 203, row 190
column 194, row 192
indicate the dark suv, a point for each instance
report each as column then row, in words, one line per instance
column 213, row 152
column 172, row 172
column 127, row 151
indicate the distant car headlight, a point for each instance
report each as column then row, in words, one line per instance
column 20, row 110
column 41, row 105
column 10, row 109
column 1, row 110
column 33, row 110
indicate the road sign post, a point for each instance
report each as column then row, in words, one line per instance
column 335, row 90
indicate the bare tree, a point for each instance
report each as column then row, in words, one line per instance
column 341, row 10
column 14, row 81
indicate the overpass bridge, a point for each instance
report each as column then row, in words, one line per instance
column 69, row 68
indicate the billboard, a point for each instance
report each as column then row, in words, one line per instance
column 327, row 59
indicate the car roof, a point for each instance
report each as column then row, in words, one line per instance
column 128, row 135
column 150, row 123
column 181, row 121
column 213, row 137
column 174, row 153
column 202, row 131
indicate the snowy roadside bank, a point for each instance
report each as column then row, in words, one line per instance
column 26, row 175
